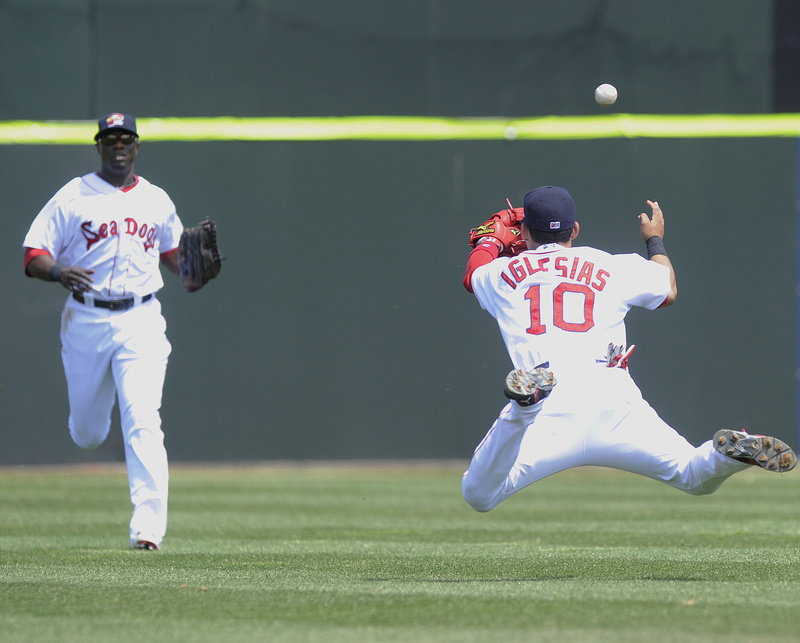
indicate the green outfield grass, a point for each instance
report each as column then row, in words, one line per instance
column 392, row 553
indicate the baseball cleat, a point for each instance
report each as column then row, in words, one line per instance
column 145, row 544
column 529, row 387
column 759, row 450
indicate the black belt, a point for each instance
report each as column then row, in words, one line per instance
column 111, row 304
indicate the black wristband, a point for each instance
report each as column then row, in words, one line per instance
column 55, row 272
column 655, row 246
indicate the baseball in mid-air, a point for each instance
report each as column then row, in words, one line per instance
column 605, row 95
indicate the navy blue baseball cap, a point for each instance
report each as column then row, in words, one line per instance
column 549, row 209
column 116, row 122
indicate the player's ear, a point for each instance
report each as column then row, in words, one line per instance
column 576, row 229
column 526, row 235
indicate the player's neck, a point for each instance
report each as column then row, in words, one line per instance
column 118, row 180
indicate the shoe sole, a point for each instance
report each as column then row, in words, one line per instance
column 145, row 544
column 759, row 450
column 529, row 387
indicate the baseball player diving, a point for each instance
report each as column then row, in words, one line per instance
column 572, row 402
column 102, row 236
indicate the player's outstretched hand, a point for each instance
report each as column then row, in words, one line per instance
column 652, row 225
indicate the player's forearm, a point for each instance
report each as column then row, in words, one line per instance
column 43, row 267
column 482, row 254
column 170, row 260
column 73, row 278
column 663, row 260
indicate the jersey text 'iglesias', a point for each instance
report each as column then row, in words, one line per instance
column 576, row 269
column 563, row 304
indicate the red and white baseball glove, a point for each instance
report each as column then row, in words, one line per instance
column 502, row 228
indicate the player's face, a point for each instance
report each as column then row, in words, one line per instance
column 117, row 151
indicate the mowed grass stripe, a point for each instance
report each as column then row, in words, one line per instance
column 370, row 554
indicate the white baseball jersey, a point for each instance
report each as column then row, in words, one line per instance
column 565, row 305
column 118, row 232
column 116, row 354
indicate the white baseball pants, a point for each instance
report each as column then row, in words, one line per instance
column 595, row 417
column 122, row 354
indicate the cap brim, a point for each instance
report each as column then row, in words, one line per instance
column 114, row 129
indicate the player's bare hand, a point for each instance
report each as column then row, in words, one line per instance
column 76, row 279
column 652, row 225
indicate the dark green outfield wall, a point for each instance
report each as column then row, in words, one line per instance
column 81, row 58
column 339, row 327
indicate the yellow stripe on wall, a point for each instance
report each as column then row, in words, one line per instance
column 411, row 128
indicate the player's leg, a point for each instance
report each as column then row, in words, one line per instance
column 525, row 444
column 511, row 458
column 487, row 480
column 139, row 370
column 86, row 355
column 641, row 442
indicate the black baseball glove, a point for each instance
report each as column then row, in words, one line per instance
column 199, row 258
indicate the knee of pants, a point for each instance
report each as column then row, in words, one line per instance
column 704, row 488
column 481, row 502
column 699, row 491
column 89, row 435
column 142, row 434
column 139, row 417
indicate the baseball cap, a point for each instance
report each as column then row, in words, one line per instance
column 116, row 121
column 549, row 209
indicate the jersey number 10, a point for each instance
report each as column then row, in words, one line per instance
column 537, row 327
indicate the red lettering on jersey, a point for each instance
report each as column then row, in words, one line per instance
column 588, row 308
column 560, row 267
column 574, row 268
column 145, row 232
column 91, row 236
column 151, row 239
column 523, row 267
column 540, row 266
column 536, row 327
column 543, row 264
column 585, row 275
column 601, row 280
column 520, row 272
column 517, row 271
column 507, row 279
column 528, row 265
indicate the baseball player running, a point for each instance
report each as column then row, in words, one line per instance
column 561, row 312
column 102, row 237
